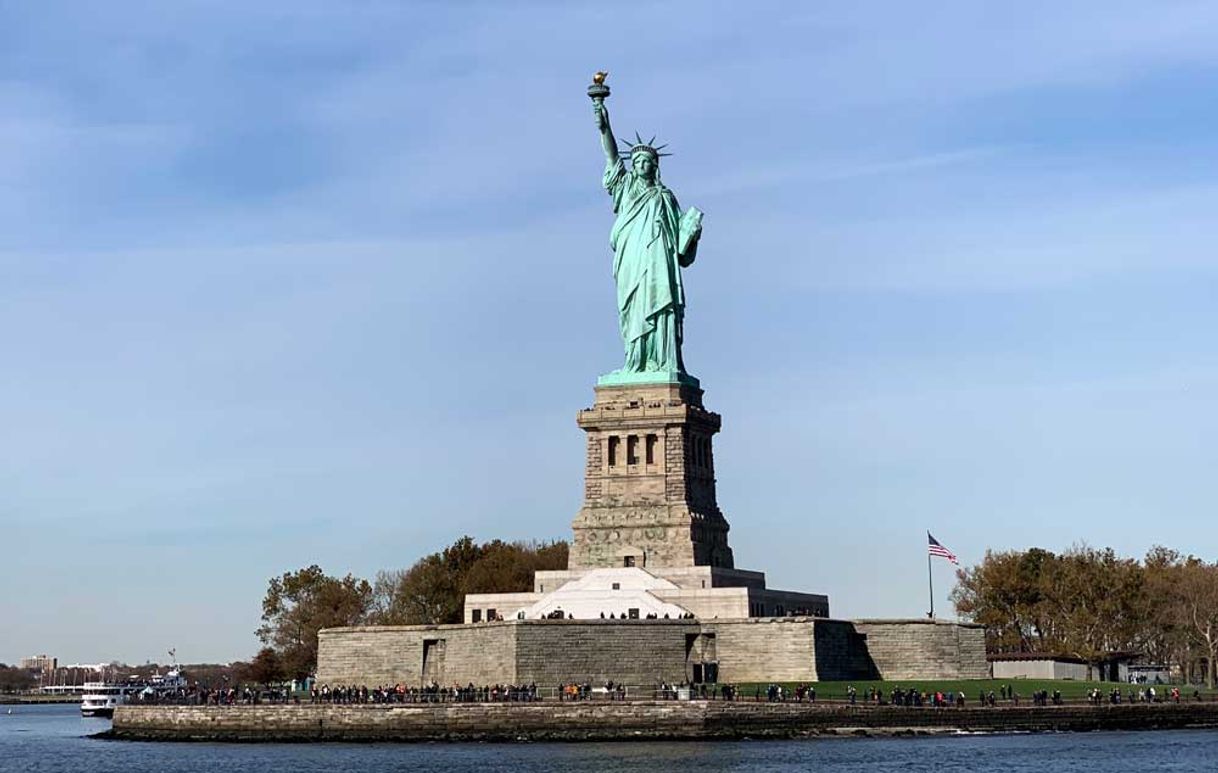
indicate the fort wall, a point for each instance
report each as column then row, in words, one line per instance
column 925, row 649
column 647, row 652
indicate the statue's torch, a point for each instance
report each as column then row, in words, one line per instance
column 598, row 91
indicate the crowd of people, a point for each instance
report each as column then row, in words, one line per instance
column 558, row 614
column 648, row 616
column 433, row 692
column 898, row 696
column 939, row 698
column 430, row 693
column 576, row 691
column 776, row 693
column 1141, row 695
column 699, row 691
column 203, row 696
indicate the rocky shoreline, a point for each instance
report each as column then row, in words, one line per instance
column 609, row 721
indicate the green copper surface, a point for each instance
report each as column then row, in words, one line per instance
column 652, row 240
column 622, row 378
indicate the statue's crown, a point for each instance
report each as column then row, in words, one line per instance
column 638, row 146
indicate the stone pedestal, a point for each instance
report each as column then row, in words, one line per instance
column 649, row 482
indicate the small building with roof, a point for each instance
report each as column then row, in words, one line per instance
column 1111, row 667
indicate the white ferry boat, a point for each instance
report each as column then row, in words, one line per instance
column 101, row 698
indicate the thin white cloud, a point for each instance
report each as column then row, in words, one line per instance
column 749, row 179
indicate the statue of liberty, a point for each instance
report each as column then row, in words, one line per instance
column 651, row 241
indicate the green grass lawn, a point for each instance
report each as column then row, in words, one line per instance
column 972, row 688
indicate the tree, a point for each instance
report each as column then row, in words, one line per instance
column 1005, row 594
column 299, row 604
column 1168, row 636
column 13, row 679
column 1085, row 602
column 1197, row 607
column 265, row 669
column 425, row 593
column 433, row 590
column 1094, row 596
column 508, row 567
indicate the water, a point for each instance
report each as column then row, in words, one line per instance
column 41, row 739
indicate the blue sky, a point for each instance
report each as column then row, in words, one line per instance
column 284, row 283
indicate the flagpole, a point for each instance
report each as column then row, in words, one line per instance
column 930, row 581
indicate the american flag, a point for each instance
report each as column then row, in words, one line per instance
column 936, row 549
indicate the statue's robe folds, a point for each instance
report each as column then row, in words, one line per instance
column 650, row 297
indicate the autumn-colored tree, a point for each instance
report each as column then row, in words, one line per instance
column 1084, row 602
column 1090, row 603
column 266, row 668
column 1196, row 607
column 508, row 567
column 434, row 589
column 1093, row 596
column 1166, row 637
column 424, row 593
column 431, row 591
column 299, row 604
column 1005, row 593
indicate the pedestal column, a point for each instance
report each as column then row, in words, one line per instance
column 649, row 481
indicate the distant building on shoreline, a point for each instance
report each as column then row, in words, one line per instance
column 40, row 664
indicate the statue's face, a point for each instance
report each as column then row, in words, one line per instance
column 644, row 166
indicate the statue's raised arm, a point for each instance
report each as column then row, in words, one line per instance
column 607, row 138
column 598, row 91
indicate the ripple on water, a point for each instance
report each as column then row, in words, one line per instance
column 46, row 739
